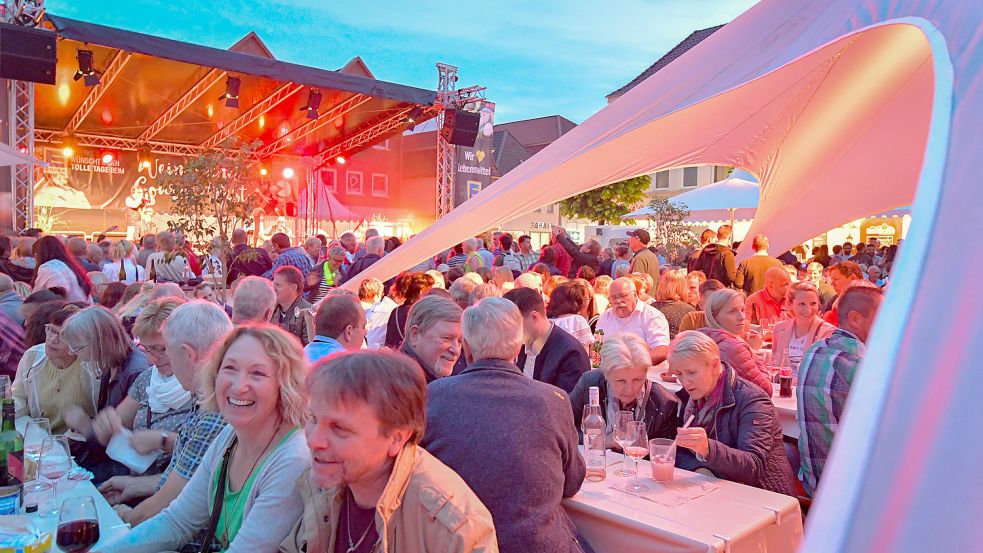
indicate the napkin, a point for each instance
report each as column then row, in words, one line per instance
column 119, row 449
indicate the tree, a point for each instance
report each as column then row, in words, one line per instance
column 607, row 203
column 213, row 194
column 666, row 225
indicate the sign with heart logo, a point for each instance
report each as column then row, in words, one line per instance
column 480, row 154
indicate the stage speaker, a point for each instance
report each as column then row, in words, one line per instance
column 460, row 127
column 27, row 54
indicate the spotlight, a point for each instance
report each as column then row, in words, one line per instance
column 85, row 70
column 231, row 95
column 107, row 157
column 263, row 171
column 69, row 145
column 340, row 160
column 414, row 114
column 313, row 103
column 288, row 173
column 143, row 157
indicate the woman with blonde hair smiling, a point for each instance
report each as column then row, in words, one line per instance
column 724, row 311
column 244, row 493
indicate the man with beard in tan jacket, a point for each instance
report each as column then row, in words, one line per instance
column 371, row 488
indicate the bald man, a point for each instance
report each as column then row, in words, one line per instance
column 627, row 314
column 768, row 304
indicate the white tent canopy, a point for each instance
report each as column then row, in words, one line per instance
column 841, row 108
column 12, row 156
column 730, row 194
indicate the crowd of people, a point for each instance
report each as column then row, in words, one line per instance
column 439, row 410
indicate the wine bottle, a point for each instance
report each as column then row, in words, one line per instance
column 122, row 270
column 152, row 277
column 11, row 463
column 594, row 437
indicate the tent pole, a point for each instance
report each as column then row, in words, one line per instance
column 732, row 210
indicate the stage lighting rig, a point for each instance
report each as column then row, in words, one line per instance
column 69, row 146
column 231, row 95
column 85, row 71
column 313, row 103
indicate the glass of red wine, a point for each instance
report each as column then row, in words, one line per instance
column 78, row 525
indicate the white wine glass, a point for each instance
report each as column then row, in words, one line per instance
column 636, row 447
column 621, row 421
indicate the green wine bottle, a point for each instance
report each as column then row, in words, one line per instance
column 11, row 463
column 11, row 442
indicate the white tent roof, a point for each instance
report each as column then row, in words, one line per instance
column 730, row 193
column 841, row 108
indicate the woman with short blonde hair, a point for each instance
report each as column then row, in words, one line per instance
column 735, row 433
column 249, row 472
column 671, row 299
column 624, row 386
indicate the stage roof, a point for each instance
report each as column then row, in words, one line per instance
column 166, row 93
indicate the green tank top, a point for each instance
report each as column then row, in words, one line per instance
column 234, row 503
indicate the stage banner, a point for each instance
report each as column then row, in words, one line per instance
column 85, row 193
column 474, row 165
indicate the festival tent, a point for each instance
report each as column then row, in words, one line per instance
column 841, row 108
column 730, row 194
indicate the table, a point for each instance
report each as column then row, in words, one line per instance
column 786, row 407
column 110, row 525
column 730, row 518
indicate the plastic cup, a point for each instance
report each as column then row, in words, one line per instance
column 662, row 453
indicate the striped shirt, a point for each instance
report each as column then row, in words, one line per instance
column 195, row 436
column 825, row 376
column 294, row 257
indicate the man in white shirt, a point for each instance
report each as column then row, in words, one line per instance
column 627, row 314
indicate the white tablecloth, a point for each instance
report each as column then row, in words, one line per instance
column 110, row 525
column 787, row 407
column 727, row 518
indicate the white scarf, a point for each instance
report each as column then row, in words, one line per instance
column 165, row 393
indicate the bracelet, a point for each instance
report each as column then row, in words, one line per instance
column 163, row 441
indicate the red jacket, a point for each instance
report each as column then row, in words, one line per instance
column 736, row 353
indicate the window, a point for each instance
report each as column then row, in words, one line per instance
column 549, row 208
column 354, row 180
column 721, row 172
column 329, row 180
column 662, row 180
column 690, row 177
column 380, row 185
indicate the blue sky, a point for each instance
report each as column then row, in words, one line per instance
column 536, row 58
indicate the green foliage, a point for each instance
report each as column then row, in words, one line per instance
column 607, row 203
column 214, row 193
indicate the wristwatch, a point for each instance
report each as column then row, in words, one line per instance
column 163, row 441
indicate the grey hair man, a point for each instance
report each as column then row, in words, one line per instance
column 254, row 300
column 468, row 430
column 374, row 249
column 190, row 333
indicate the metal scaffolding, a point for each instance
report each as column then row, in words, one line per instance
column 446, row 88
column 20, row 100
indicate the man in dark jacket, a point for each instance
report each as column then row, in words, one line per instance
column 374, row 248
column 590, row 257
column 508, row 436
column 246, row 261
column 717, row 260
column 549, row 354
column 693, row 259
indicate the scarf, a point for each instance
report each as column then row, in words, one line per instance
column 705, row 410
column 164, row 393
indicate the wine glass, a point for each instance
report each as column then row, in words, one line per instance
column 34, row 434
column 55, row 462
column 636, row 447
column 78, row 525
column 621, row 420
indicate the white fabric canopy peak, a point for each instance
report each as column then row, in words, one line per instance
column 12, row 156
column 841, row 108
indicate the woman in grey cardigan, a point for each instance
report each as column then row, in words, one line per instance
column 244, row 493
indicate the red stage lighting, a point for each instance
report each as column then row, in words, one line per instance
column 263, row 171
column 107, row 156
column 288, row 172
column 340, row 160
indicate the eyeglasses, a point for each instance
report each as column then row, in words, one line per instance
column 52, row 332
column 621, row 297
column 155, row 350
column 74, row 350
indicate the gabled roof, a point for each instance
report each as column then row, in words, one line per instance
column 252, row 44
column 507, row 151
column 536, row 134
column 356, row 66
column 692, row 40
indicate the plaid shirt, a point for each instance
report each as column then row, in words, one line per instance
column 825, row 376
column 192, row 441
column 11, row 345
column 295, row 257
